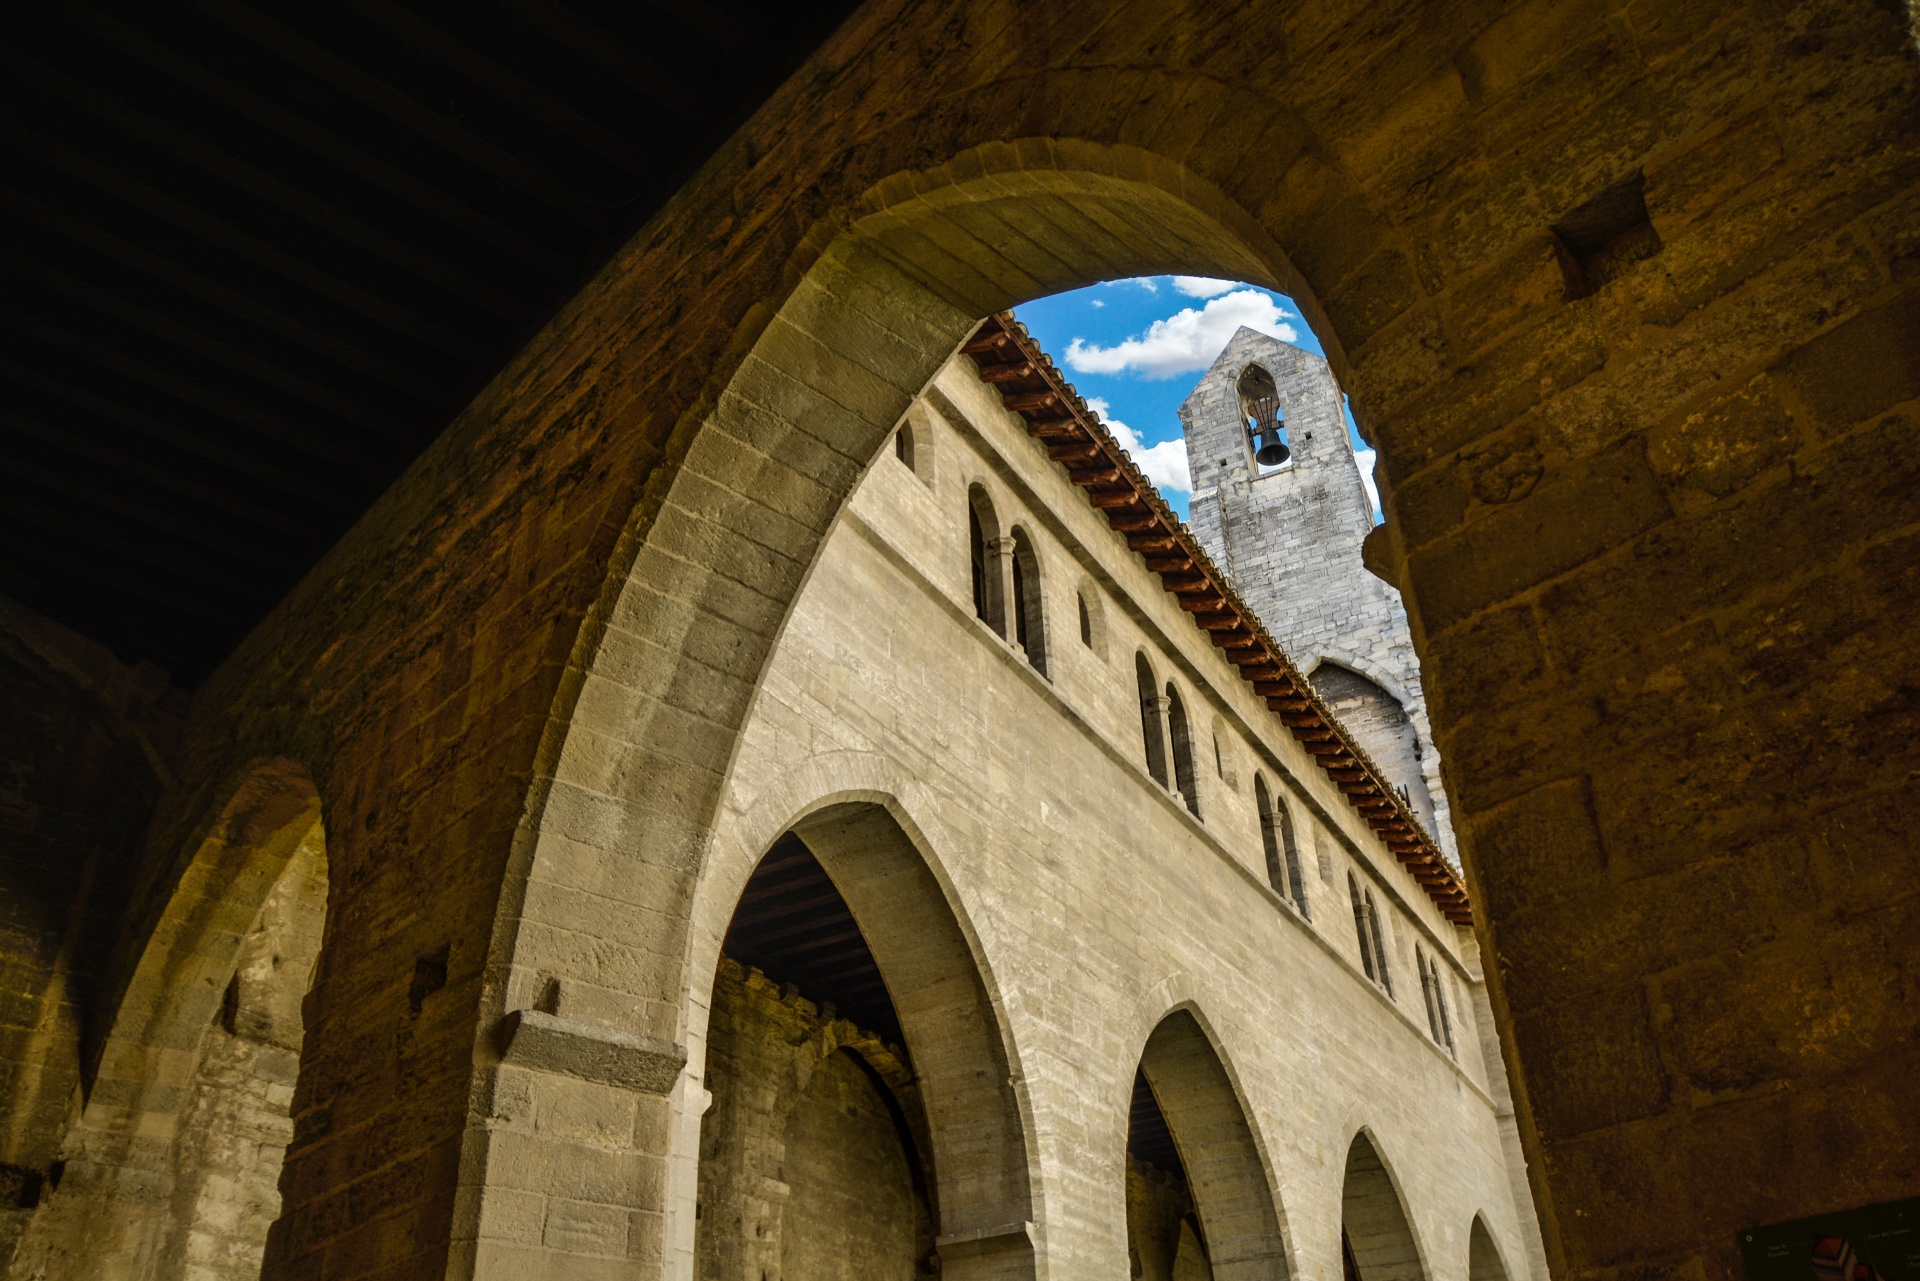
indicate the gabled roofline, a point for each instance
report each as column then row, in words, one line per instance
column 1014, row 365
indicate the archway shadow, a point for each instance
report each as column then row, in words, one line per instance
column 1219, row 1156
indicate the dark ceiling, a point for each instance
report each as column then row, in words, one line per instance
column 258, row 256
column 793, row 926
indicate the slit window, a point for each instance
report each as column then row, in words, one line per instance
column 1182, row 737
column 984, row 555
column 1029, row 623
column 1379, row 944
column 1433, row 990
column 1290, row 848
column 1269, row 838
column 1153, row 733
column 1360, row 929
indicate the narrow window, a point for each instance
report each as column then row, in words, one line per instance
column 1182, row 752
column 1269, row 845
column 1086, row 623
column 985, row 550
column 1428, row 993
column 1440, row 1003
column 1019, row 603
column 1379, row 944
column 1029, row 624
column 1219, row 769
column 1360, row 927
column 1152, row 735
column 903, row 445
column 1292, row 849
column 977, row 544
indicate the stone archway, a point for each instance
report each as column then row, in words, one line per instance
column 956, row 1115
column 174, row 1165
column 1232, row 1195
column 1483, row 1256
column 1561, row 468
column 678, row 651
column 1373, row 1220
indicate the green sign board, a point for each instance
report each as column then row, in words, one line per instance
column 1876, row 1243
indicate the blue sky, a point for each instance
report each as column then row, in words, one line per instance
column 1135, row 348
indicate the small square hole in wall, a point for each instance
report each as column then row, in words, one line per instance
column 1605, row 236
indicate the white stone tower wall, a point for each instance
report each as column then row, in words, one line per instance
column 1290, row 538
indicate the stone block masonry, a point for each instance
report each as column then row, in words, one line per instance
column 1290, row 537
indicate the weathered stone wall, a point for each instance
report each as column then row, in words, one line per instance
column 1098, row 901
column 1666, row 626
column 84, row 748
column 803, row 1175
column 172, row 1166
column 237, row 1119
column 1291, row 539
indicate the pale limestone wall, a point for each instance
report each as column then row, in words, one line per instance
column 1290, row 539
column 802, row 1174
column 1094, row 902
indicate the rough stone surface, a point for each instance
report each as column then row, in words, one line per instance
column 85, row 744
column 1030, row 793
column 536, row 1039
column 1682, row 657
column 1290, row 538
column 803, row 1176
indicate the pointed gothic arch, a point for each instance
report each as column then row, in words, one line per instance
column 174, row 1165
column 1234, row 1202
column 959, row 1116
column 1373, row 1219
column 1483, row 1254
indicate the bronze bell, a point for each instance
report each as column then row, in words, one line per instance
column 1269, row 431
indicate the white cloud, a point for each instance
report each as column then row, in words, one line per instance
column 1365, row 458
column 1201, row 286
column 1099, row 302
column 1187, row 340
column 1147, row 283
column 1165, row 464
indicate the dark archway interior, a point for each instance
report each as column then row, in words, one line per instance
column 793, row 925
column 1148, row 1138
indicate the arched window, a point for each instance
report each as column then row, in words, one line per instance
column 1361, row 930
column 1152, row 733
column 1377, row 719
column 1428, row 985
column 1265, row 419
column 1269, row 838
column 1291, row 848
column 903, row 444
column 983, row 537
column 1093, row 619
column 1029, row 621
column 1433, row 989
column 1182, row 736
column 1379, row 945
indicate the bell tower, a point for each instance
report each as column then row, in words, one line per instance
column 1279, row 505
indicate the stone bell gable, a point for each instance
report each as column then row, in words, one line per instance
column 1290, row 537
